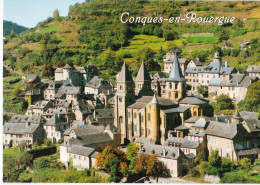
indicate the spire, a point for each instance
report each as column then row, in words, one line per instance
column 124, row 75
column 176, row 74
column 143, row 74
column 154, row 100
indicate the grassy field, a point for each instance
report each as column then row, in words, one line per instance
column 202, row 39
column 11, row 151
column 51, row 28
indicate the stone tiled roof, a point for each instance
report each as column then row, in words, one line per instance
column 236, row 80
column 52, row 111
column 62, row 103
column 192, row 100
column 176, row 74
column 162, row 101
column 253, row 125
column 182, row 127
column 253, row 69
column 33, row 92
column 71, row 90
column 39, row 105
column 225, row 130
column 196, row 133
column 137, row 105
column 104, row 113
column 124, row 75
column 182, row 142
column 37, row 119
column 55, row 121
column 32, row 77
column 143, row 74
column 252, row 151
column 87, row 130
column 19, row 128
column 160, row 151
column 249, row 115
column 201, row 122
column 80, row 150
column 67, row 66
column 177, row 109
column 97, row 82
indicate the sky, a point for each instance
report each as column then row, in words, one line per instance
column 29, row 13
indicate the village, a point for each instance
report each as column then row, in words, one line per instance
column 165, row 116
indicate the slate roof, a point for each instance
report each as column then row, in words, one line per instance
column 252, row 151
column 57, row 84
column 182, row 127
column 55, row 121
column 197, row 61
column 71, row 90
column 143, row 74
column 176, row 74
column 225, row 130
column 83, row 106
column 52, row 111
column 192, row 119
column 249, row 115
column 62, row 103
column 124, row 75
column 228, row 44
column 154, row 100
column 33, row 92
column 144, row 140
column 37, row 119
column 192, row 100
column 253, row 125
column 253, row 69
column 67, row 66
column 236, row 80
column 19, row 128
column 80, row 150
column 162, row 101
column 201, row 122
column 182, row 142
column 160, row 151
column 196, row 133
column 96, row 82
column 41, row 104
column 104, row 113
column 177, row 109
column 137, row 105
column 31, row 77
column 87, row 130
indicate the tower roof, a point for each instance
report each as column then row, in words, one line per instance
column 67, row 66
column 143, row 74
column 124, row 75
column 154, row 100
column 236, row 115
column 176, row 74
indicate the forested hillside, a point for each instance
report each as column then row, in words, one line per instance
column 9, row 26
column 92, row 32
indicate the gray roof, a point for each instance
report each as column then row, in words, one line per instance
column 202, row 122
column 143, row 74
column 182, row 142
column 154, row 100
column 192, row 119
column 253, row 125
column 71, row 90
column 162, row 101
column 67, row 66
column 32, row 77
column 236, row 80
column 253, row 69
column 55, row 121
column 86, row 130
column 83, row 106
column 192, row 100
column 225, row 130
column 144, row 140
column 177, row 109
column 33, row 92
column 160, row 151
column 176, row 74
column 39, row 104
column 104, row 113
column 137, row 105
column 249, row 115
column 62, row 103
column 97, row 82
column 182, row 127
column 20, row 128
column 249, row 152
column 196, row 133
column 37, row 119
column 124, row 75
column 80, row 150
column 236, row 115
column 197, row 61
column 228, row 44
column 52, row 111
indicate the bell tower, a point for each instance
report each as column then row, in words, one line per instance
column 124, row 97
column 176, row 83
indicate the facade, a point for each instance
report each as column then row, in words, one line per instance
column 102, row 117
column 23, row 128
column 97, row 85
column 53, row 88
column 201, row 75
column 77, row 76
column 235, row 86
column 71, row 94
column 33, row 96
column 39, row 108
column 253, row 71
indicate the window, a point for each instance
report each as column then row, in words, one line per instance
column 176, row 86
column 149, row 117
column 227, row 145
column 227, row 154
column 134, row 115
column 216, row 140
column 121, row 87
column 170, row 85
column 208, row 139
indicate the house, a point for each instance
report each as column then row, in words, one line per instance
column 39, row 108
column 77, row 76
column 235, row 86
column 53, row 88
column 253, row 71
column 244, row 45
column 32, row 78
column 70, row 93
column 82, row 110
column 102, row 117
column 201, row 75
column 55, row 127
column 97, row 85
column 63, row 112
column 23, row 128
column 62, row 104
column 171, row 157
column 32, row 96
column 227, row 45
column 194, row 63
column 168, row 61
column 232, row 139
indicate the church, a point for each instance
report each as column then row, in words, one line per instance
column 140, row 113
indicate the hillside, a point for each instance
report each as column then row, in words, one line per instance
column 92, row 32
column 9, row 26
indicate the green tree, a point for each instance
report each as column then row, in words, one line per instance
column 12, row 34
column 48, row 69
column 170, row 35
column 215, row 159
column 141, row 163
column 252, row 99
column 203, row 89
column 155, row 168
column 224, row 102
column 47, row 142
column 22, row 145
column 16, row 92
column 132, row 152
column 56, row 14
column 114, row 165
column 245, row 164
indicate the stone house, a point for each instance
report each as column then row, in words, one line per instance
column 55, row 127
column 194, row 63
column 77, row 76
column 32, row 78
column 39, row 108
column 81, row 110
column 171, row 157
column 23, row 128
column 235, row 86
column 63, row 112
column 102, row 117
column 201, row 75
column 253, row 71
column 70, row 93
column 33, row 96
column 53, row 88
column 227, row 45
column 97, row 85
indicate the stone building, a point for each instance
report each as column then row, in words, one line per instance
column 39, row 108
column 253, row 71
column 77, row 76
column 97, row 85
column 33, row 96
column 235, row 86
column 201, row 75
column 23, row 128
column 70, row 93
column 53, row 88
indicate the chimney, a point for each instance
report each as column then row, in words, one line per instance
column 226, row 64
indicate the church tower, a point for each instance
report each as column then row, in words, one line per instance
column 217, row 58
column 124, row 97
column 143, row 82
column 176, row 83
column 155, row 119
